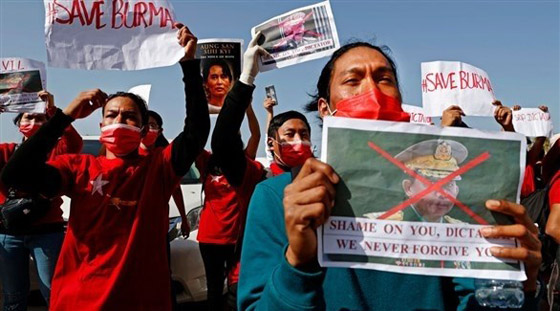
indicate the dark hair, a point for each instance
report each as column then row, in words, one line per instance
column 325, row 77
column 280, row 119
column 139, row 101
column 161, row 141
column 218, row 62
column 20, row 115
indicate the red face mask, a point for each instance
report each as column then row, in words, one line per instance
column 373, row 105
column 150, row 138
column 121, row 139
column 28, row 129
column 294, row 154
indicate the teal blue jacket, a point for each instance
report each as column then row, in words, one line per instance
column 268, row 282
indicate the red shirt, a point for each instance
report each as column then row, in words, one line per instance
column 70, row 142
column 528, row 185
column 554, row 190
column 114, row 255
column 225, row 206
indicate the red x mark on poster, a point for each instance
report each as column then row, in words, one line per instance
column 432, row 186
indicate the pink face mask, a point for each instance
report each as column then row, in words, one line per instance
column 121, row 139
column 150, row 138
column 294, row 153
column 373, row 105
column 28, row 129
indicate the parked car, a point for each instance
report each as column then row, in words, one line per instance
column 188, row 274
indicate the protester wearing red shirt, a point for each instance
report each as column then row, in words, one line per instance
column 43, row 238
column 223, row 214
column 114, row 257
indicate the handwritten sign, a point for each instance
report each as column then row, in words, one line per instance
column 113, row 34
column 411, row 198
column 300, row 35
column 446, row 84
column 20, row 81
column 417, row 114
column 532, row 122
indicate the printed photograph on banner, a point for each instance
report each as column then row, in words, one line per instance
column 300, row 35
column 532, row 122
column 417, row 115
column 220, row 67
column 447, row 84
column 412, row 197
column 271, row 93
column 116, row 35
column 20, row 81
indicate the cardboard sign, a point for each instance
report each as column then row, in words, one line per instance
column 116, row 34
column 300, row 35
column 417, row 114
column 220, row 65
column 532, row 122
column 447, row 84
column 412, row 197
column 20, row 81
column 143, row 91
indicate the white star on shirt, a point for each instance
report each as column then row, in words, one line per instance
column 98, row 184
column 216, row 178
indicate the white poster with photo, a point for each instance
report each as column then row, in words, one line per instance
column 20, row 81
column 447, row 84
column 417, row 114
column 117, row 34
column 143, row 91
column 532, row 122
column 411, row 198
column 300, row 35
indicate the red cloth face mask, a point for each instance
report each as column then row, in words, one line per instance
column 150, row 138
column 294, row 154
column 373, row 105
column 28, row 129
column 121, row 139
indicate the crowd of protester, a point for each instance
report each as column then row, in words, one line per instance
column 257, row 225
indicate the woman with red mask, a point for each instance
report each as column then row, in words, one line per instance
column 221, row 219
column 43, row 238
column 114, row 256
column 279, row 265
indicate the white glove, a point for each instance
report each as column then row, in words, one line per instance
column 250, row 61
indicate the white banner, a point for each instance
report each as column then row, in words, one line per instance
column 143, row 91
column 20, row 81
column 417, row 114
column 117, row 34
column 447, row 84
column 300, row 35
column 532, row 122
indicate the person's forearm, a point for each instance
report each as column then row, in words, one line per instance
column 253, row 142
column 227, row 145
column 178, row 198
column 74, row 142
column 30, row 160
column 191, row 141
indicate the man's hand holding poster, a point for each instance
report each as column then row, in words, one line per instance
column 20, row 81
column 447, row 84
column 117, row 34
column 412, row 198
column 532, row 122
column 300, row 35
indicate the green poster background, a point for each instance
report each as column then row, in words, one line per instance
column 370, row 183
